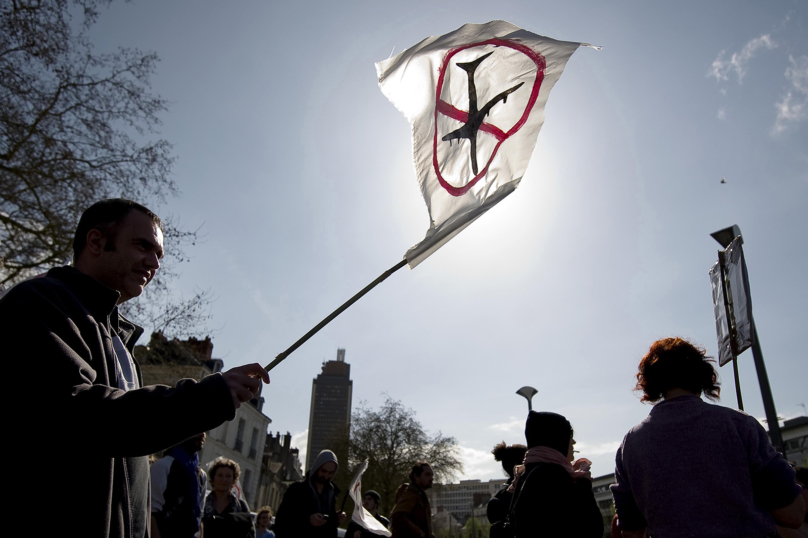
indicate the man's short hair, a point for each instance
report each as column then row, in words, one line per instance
column 418, row 469
column 224, row 462
column 105, row 216
column 676, row 363
column 263, row 509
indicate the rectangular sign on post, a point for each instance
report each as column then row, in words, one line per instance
column 731, row 302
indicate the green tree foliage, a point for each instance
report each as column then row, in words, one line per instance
column 77, row 126
column 392, row 441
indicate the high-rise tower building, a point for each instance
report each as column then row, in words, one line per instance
column 330, row 415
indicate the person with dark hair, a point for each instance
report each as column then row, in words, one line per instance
column 411, row 516
column 370, row 501
column 552, row 493
column 178, row 490
column 68, row 356
column 309, row 507
column 510, row 456
column 695, row 469
column 226, row 515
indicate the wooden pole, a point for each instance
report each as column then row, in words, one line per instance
column 334, row 314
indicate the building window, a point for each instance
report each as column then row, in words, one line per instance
column 253, row 443
column 240, row 435
column 246, row 483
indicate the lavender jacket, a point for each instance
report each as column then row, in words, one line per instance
column 695, row 469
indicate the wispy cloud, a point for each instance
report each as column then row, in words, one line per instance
column 722, row 113
column 512, row 425
column 737, row 62
column 793, row 107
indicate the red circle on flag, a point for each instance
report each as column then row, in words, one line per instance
column 441, row 107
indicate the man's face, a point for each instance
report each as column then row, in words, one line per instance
column 325, row 472
column 369, row 503
column 263, row 519
column 195, row 443
column 131, row 258
column 424, row 480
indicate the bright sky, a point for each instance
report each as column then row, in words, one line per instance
column 300, row 172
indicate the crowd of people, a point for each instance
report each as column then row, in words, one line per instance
column 688, row 469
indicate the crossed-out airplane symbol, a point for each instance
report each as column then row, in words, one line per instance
column 473, row 119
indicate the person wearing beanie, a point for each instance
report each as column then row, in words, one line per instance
column 371, row 501
column 553, row 495
column 309, row 507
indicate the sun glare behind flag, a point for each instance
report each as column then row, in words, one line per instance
column 475, row 98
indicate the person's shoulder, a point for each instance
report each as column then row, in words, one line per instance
column 41, row 285
column 404, row 491
column 163, row 464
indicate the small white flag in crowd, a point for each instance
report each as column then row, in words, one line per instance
column 360, row 515
column 475, row 98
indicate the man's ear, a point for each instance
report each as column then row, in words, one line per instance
column 96, row 241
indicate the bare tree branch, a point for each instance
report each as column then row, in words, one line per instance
column 75, row 127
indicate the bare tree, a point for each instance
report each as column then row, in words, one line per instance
column 392, row 441
column 76, row 127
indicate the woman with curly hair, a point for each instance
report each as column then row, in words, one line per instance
column 225, row 515
column 510, row 456
column 695, row 469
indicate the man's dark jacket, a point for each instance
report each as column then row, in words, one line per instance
column 75, row 430
column 411, row 516
column 299, row 503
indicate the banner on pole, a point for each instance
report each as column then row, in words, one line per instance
column 731, row 302
column 360, row 515
column 475, row 98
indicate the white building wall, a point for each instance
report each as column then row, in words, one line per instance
column 457, row 498
column 221, row 441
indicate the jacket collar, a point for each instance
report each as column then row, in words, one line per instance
column 101, row 301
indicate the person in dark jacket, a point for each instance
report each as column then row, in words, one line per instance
column 67, row 359
column 309, row 507
column 553, row 495
column 370, row 501
column 178, row 490
column 411, row 516
column 500, row 503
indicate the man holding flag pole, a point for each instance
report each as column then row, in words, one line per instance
column 366, row 521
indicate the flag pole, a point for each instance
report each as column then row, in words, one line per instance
column 334, row 314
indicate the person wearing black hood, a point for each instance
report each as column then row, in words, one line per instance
column 309, row 507
column 554, row 494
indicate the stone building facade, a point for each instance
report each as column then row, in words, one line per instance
column 280, row 467
column 242, row 439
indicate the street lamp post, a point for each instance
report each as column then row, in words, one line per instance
column 724, row 238
column 527, row 393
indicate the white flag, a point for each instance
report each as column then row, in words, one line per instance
column 360, row 514
column 475, row 98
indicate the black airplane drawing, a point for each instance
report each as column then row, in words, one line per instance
column 476, row 117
